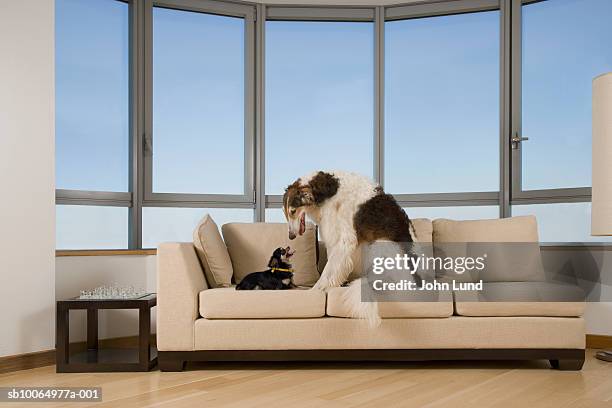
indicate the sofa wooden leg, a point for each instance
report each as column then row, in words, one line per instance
column 167, row 364
column 567, row 365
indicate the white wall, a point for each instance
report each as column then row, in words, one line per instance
column 27, row 211
column 75, row 273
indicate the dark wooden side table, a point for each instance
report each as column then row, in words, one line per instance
column 97, row 359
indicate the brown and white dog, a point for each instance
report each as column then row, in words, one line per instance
column 350, row 210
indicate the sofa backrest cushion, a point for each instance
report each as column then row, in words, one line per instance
column 510, row 244
column 423, row 228
column 513, row 229
column 250, row 246
column 212, row 253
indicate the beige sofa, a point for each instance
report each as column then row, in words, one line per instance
column 198, row 323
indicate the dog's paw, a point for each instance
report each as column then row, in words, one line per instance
column 322, row 285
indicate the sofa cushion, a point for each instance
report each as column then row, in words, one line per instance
column 513, row 229
column 508, row 262
column 212, row 253
column 250, row 246
column 508, row 245
column 330, row 333
column 423, row 228
column 424, row 305
column 229, row 303
column 522, row 299
column 322, row 256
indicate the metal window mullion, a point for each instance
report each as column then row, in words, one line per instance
column 197, row 204
column 260, row 147
column 183, row 197
column 451, row 203
column 516, row 105
column 146, row 133
column 578, row 194
column 425, row 200
column 210, row 6
column 379, row 108
column 505, row 153
column 439, row 8
column 319, row 13
column 249, row 109
column 137, row 16
column 101, row 199
column 449, row 199
column 93, row 202
column 551, row 200
column 85, row 197
column 274, row 201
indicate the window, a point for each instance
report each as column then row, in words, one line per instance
column 167, row 110
column 563, row 222
column 177, row 224
column 91, row 227
column 319, row 99
column 92, row 93
column 275, row 215
column 442, row 104
column 565, row 44
column 92, row 123
column 198, row 103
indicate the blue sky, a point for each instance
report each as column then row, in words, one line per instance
column 442, row 104
column 91, row 95
column 319, row 99
column 566, row 43
column 198, row 103
column 441, row 108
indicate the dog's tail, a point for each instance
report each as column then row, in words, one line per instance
column 359, row 309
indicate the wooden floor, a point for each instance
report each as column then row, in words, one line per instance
column 435, row 384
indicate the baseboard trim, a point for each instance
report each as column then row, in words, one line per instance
column 47, row 357
column 598, row 341
column 26, row 361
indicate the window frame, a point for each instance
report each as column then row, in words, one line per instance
column 518, row 195
column 255, row 16
column 157, row 199
column 435, row 9
column 149, row 198
column 326, row 14
column 114, row 198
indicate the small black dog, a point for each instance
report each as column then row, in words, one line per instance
column 279, row 276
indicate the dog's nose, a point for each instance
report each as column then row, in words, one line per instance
column 291, row 235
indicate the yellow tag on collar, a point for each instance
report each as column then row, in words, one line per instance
column 281, row 270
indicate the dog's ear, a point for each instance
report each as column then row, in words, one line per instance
column 274, row 262
column 323, row 186
column 306, row 196
column 297, row 195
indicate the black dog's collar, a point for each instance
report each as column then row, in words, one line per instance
column 281, row 270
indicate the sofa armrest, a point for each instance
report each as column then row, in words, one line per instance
column 180, row 280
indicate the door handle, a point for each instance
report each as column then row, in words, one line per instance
column 516, row 139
